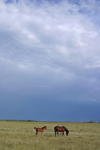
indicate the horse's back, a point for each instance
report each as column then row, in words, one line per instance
column 59, row 128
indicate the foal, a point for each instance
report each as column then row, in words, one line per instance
column 40, row 130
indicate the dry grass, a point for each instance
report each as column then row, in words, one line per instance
column 21, row 136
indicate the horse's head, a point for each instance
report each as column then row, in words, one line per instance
column 65, row 129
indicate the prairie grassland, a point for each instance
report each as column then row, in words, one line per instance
column 16, row 135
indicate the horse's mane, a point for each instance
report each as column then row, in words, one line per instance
column 65, row 128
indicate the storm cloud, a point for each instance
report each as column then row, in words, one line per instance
column 50, row 60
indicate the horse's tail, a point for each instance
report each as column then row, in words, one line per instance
column 34, row 127
column 55, row 130
column 56, row 127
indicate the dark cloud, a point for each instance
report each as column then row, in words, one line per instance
column 49, row 61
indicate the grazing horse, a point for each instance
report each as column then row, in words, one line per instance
column 40, row 130
column 61, row 129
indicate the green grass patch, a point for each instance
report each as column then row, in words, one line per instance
column 17, row 135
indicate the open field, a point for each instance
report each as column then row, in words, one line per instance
column 15, row 135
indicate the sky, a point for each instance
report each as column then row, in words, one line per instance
column 50, row 60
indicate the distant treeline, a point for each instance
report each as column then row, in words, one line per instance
column 46, row 121
column 21, row 120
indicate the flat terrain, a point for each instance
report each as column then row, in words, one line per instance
column 15, row 135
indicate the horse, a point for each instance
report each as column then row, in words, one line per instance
column 61, row 129
column 40, row 130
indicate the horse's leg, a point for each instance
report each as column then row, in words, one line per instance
column 55, row 132
column 37, row 133
column 62, row 133
column 58, row 133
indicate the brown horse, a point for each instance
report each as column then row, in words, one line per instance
column 61, row 129
column 40, row 130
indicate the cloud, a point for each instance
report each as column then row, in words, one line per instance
column 50, row 48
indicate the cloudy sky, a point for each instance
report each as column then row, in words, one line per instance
column 50, row 60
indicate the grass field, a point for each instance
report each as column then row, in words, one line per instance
column 15, row 135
